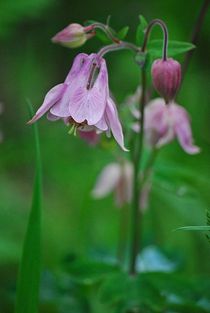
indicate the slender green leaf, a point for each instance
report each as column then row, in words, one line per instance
column 194, row 228
column 123, row 33
column 102, row 37
column 30, row 267
column 174, row 47
column 140, row 30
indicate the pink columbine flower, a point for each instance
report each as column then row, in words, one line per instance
column 73, row 36
column 83, row 99
column 164, row 122
column 166, row 76
column 117, row 178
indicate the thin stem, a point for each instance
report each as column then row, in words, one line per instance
column 106, row 29
column 114, row 47
column 136, row 213
column 165, row 32
column 195, row 35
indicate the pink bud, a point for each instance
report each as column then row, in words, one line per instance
column 166, row 76
column 73, row 36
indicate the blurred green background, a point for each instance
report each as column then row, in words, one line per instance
column 73, row 222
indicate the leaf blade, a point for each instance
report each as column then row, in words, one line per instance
column 27, row 297
column 193, row 228
column 174, row 47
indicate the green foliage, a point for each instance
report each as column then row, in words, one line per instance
column 99, row 287
column 208, row 224
column 90, row 271
column 194, row 228
column 131, row 294
column 30, row 267
column 141, row 30
column 175, row 48
column 122, row 33
column 103, row 37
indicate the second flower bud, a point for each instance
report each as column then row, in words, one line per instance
column 166, row 76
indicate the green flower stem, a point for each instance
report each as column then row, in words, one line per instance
column 136, row 218
column 122, row 45
column 137, row 158
column 165, row 32
column 107, row 30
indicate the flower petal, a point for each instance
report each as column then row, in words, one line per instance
column 102, row 124
column 52, row 117
column 158, row 125
column 73, row 79
column 114, row 123
column 183, row 129
column 88, row 104
column 76, row 67
column 50, row 99
column 123, row 190
column 107, row 180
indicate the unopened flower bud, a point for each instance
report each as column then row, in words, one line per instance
column 73, row 36
column 166, row 76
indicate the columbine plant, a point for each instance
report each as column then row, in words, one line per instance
column 84, row 103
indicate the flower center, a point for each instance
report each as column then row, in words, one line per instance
column 75, row 126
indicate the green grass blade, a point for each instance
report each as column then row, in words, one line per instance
column 194, row 228
column 28, row 284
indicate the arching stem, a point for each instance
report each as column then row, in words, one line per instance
column 165, row 32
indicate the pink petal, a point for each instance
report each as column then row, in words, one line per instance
column 114, row 123
column 50, row 99
column 107, row 180
column 123, row 190
column 76, row 67
column 61, row 108
column 158, row 127
column 144, row 196
column 102, row 124
column 156, row 114
column 183, row 129
column 52, row 117
column 89, row 104
column 167, row 137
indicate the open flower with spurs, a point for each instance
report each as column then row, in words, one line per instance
column 83, row 100
column 163, row 122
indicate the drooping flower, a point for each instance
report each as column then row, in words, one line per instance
column 117, row 178
column 164, row 122
column 73, row 36
column 83, row 100
column 166, row 77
